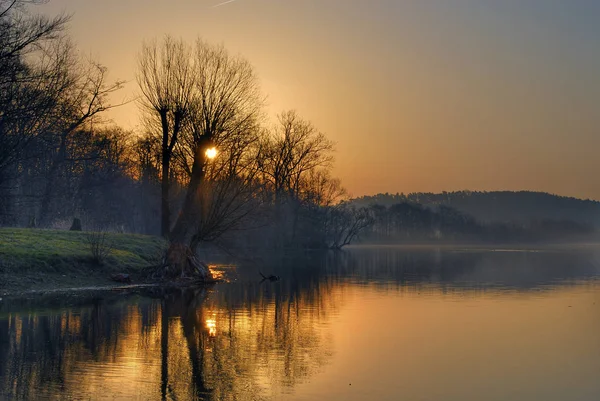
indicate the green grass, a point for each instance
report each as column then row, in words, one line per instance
column 57, row 251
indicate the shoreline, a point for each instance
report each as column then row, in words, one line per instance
column 25, row 285
column 40, row 262
column 74, row 290
column 480, row 246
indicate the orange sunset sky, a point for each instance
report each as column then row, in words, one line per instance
column 418, row 95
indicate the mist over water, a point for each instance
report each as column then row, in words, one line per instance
column 381, row 323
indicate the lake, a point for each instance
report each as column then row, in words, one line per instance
column 378, row 323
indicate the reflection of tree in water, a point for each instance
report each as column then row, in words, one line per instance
column 248, row 341
column 175, row 345
column 280, row 334
column 447, row 270
column 49, row 352
column 241, row 340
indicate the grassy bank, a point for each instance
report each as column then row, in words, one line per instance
column 34, row 259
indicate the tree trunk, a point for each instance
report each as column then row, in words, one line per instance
column 44, row 218
column 165, row 224
column 181, row 259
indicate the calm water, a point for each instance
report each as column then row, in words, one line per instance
column 379, row 324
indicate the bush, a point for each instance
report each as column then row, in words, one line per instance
column 100, row 245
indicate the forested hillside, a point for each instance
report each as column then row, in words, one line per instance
column 521, row 207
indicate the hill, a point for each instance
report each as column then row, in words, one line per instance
column 520, row 207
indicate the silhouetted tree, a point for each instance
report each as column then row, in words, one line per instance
column 166, row 77
column 224, row 109
column 31, row 76
column 85, row 96
column 345, row 223
column 293, row 153
column 47, row 97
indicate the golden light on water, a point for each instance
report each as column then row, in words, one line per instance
column 219, row 272
column 211, row 324
column 211, row 153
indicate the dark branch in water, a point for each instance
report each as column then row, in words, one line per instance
column 270, row 277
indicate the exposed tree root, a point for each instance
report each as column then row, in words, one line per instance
column 181, row 267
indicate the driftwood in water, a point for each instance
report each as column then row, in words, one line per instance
column 270, row 277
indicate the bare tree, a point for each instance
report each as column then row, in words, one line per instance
column 321, row 190
column 22, row 32
column 225, row 111
column 232, row 191
column 84, row 96
column 166, row 77
column 47, row 94
column 293, row 151
column 344, row 224
column 31, row 81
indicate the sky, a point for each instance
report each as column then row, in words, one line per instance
column 418, row 95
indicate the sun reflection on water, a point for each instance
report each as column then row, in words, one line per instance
column 222, row 273
column 211, row 325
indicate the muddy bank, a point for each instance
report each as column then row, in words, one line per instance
column 15, row 285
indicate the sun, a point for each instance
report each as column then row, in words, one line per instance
column 211, row 153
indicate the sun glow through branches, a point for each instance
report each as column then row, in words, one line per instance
column 211, row 153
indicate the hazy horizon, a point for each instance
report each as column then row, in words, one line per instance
column 418, row 96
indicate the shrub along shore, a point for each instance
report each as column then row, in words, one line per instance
column 44, row 260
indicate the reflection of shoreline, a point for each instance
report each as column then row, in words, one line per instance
column 482, row 246
column 176, row 345
column 466, row 271
column 242, row 338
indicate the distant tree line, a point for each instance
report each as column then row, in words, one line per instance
column 518, row 207
column 406, row 222
column 268, row 186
